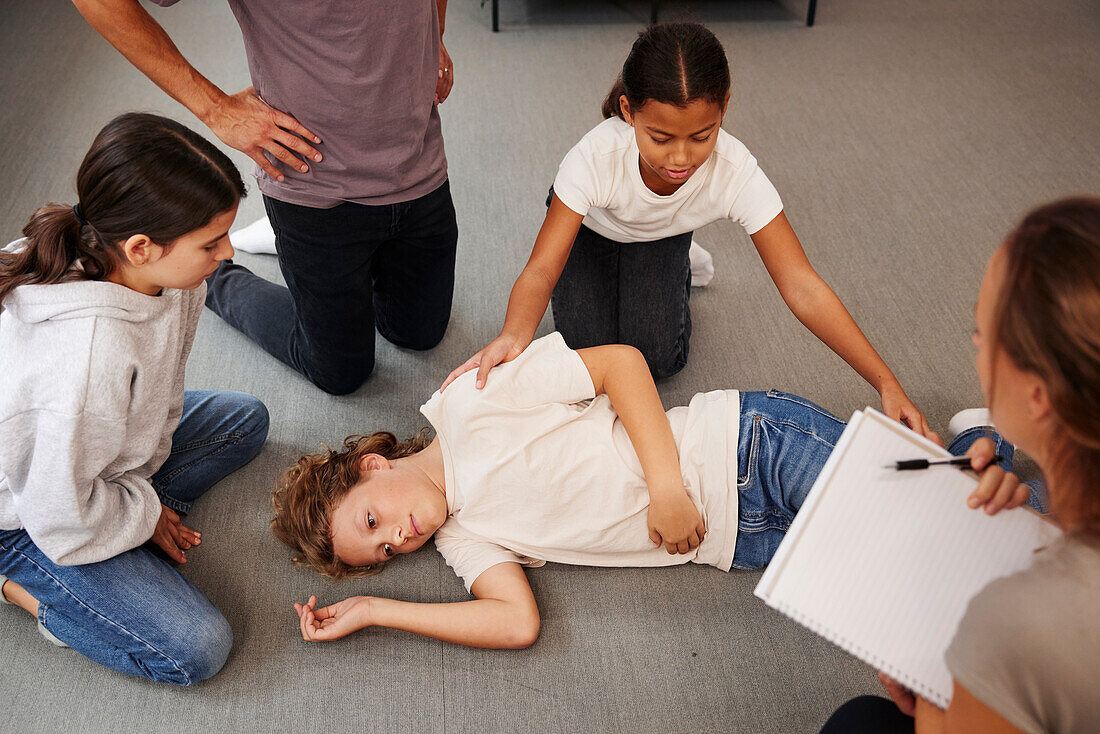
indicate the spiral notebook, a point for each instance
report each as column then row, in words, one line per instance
column 883, row 562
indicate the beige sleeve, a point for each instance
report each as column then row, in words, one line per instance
column 1028, row 649
column 470, row 555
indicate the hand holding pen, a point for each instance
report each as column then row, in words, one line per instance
column 997, row 489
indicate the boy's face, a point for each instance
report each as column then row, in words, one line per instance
column 386, row 513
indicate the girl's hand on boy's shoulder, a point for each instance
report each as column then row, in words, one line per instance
column 334, row 621
column 675, row 522
column 997, row 489
column 502, row 349
column 172, row 536
column 897, row 405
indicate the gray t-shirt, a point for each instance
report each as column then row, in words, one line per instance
column 1028, row 646
column 361, row 74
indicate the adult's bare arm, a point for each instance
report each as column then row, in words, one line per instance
column 446, row 65
column 242, row 120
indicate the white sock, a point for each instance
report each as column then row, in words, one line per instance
column 702, row 265
column 964, row 420
column 257, row 237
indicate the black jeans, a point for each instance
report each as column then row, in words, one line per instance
column 868, row 715
column 348, row 270
column 632, row 293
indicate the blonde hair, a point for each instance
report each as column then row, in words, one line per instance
column 1047, row 322
column 306, row 494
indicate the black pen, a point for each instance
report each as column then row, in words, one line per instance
column 925, row 463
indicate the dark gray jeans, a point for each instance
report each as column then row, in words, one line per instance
column 348, row 270
column 632, row 293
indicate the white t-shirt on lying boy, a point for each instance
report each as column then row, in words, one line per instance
column 600, row 179
column 538, row 468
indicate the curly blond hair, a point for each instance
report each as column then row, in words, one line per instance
column 306, row 494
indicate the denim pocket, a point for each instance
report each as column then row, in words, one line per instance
column 760, row 521
column 750, row 458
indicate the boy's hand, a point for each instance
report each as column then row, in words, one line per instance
column 997, row 489
column 172, row 536
column 674, row 521
column 334, row 621
column 502, row 349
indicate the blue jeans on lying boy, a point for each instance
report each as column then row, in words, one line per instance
column 783, row 443
column 134, row 613
column 962, row 443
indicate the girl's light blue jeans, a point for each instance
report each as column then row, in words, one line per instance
column 783, row 443
column 134, row 613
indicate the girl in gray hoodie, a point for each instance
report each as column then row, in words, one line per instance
column 101, row 449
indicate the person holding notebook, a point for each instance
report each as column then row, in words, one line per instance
column 1026, row 655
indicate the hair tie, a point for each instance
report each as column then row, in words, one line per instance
column 79, row 215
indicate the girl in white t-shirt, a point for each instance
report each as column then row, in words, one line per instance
column 613, row 249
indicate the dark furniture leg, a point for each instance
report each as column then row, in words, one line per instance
column 811, row 11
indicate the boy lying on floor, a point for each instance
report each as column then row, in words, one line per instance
column 564, row 456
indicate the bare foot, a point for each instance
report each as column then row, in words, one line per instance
column 19, row 596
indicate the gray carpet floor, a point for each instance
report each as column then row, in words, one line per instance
column 905, row 139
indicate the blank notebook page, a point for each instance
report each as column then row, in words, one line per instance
column 883, row 562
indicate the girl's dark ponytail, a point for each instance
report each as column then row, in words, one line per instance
column 611, row 106
column 144, row 174
column 56, row 240
column 672, row 63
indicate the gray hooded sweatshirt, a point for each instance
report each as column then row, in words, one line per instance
column 91, row 390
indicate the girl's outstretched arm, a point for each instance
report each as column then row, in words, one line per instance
column 621, row 372
column 504, row 614
column 531, row 293
column 819, row 309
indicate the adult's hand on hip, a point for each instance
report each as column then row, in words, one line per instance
column 245, row 122
column 446, row 75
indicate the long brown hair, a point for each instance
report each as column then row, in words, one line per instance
column 307, row 493
column 673, row 63
column 144, row 174
column 1047, row 321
